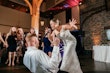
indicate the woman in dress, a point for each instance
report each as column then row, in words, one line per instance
column 20, row 44
column 46, row 42
column 12, row 44
column 70, row 62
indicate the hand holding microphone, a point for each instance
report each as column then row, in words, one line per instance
column 49, row 31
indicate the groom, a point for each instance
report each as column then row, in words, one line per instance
column 37, row 61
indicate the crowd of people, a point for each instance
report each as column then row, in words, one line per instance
column 13, row 45
column 56, row 53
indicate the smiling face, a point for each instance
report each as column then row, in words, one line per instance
column 46, row 30
column 32, row 31
column 33, row 40
column 20, row 30
column 53, row 24
column 13, row 29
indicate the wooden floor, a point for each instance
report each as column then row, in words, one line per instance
column 88, row 65
column 15, row 69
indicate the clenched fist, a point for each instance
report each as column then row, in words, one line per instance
column 56, row 41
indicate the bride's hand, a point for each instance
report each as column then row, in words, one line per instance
column 72, row 23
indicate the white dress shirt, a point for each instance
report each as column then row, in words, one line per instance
column 39, row 62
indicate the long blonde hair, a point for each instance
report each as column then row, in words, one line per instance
column 10, row 32
column 20, row 34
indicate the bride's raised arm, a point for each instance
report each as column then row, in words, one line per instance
column 71, row 25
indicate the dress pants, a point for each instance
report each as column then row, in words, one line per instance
column 61, row 71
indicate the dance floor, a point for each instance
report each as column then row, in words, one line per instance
column 88, row 65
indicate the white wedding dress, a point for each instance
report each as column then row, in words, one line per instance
column 70, row 62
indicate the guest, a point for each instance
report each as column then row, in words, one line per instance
column 20, row 44
column 4, row 43
column 40, row 41
column 2, row 40
column 12, row 44
column 46, row 43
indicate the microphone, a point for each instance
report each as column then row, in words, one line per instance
column 47, row 32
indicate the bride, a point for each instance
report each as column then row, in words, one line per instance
column 70, row 62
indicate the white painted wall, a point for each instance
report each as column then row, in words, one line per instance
column 10, row 17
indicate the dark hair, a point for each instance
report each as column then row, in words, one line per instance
column 56, row 21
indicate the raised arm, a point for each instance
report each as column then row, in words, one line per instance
column 1, row 39
column 71, row 25
column 53, row 62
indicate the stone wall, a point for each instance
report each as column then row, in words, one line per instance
column 94, row 29
column 94, row 18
